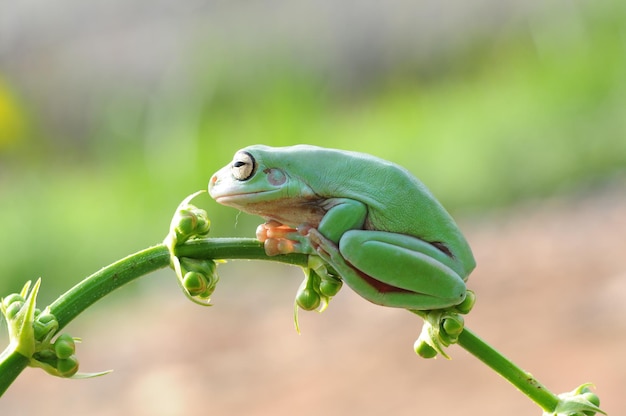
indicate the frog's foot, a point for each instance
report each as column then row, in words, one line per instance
column 325, row 248
column 278, row 238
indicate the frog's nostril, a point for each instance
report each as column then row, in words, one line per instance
column 212, row 182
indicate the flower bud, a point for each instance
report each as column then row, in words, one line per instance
column 185, row 223
column 203, row 224
column 424, row 350
column 44, row 325
column 13, row 309
column 67, row 367
column 453, row 325
column 64, row 346
column 12, row 298
column 46, row 356
column 194, row 283
column 468, row 303
column 330, row 286
column 202, row 266
column 308, row 299
column 190, row 221
column 593, row 399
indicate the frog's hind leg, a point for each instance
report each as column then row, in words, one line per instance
column 394, row 269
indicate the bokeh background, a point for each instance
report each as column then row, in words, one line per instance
column 512, row 112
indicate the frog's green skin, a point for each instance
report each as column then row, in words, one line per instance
column 378, row 226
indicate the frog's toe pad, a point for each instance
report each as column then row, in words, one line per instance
column 276, row 246
column 274, row 230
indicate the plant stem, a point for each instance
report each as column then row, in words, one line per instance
column 524, row 381
column 93, row 288
column 12, row 363
column 69, row 305
column 235, row 248
column 72, row 303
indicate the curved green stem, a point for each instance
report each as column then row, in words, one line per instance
column 12, row 363
column 72, row 303
column 93, row 288
column 69, row 305
column 235, row 248
column 521, row 379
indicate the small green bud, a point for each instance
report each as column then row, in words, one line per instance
column 203, row 225
column 468, row 303
column 308, row 299
column 211, row 283
column 200, row 276
column 188, row 221
column 451, row 328
column 424, row 350
column 194, row 283
column 46, row 356
column 44, row 325
column 67, row 367
column 207, row 293
column 46, row 318
column 453, row 325
column 185, row 223
column 330, row 286
column 13, row 309
column 64, row 346
column 591, row 398
column 12, row 298
column 191, row 221
column 204, row 266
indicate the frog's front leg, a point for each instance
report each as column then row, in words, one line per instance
column 399, row 271
column 393, row 269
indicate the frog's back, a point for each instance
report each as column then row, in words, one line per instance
column 397, row 201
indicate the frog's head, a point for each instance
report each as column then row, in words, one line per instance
column 260, row 180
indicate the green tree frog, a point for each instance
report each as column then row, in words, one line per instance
column 373, row 222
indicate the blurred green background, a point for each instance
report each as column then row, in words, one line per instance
column 111, row 112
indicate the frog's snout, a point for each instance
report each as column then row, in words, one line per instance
column 212, row 182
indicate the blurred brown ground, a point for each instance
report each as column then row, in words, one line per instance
column 551, row 286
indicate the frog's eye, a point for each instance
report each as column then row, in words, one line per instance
column 243, row 166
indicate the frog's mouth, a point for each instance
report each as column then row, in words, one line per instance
column 288, row 211
column 262, row 203
column 242, row 199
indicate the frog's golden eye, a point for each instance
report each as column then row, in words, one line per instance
column 243, row 166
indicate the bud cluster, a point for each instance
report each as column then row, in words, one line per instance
column 317, row 289
column 32, row 330
column 578, row 402
column 442, row 327
column 197, row 277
